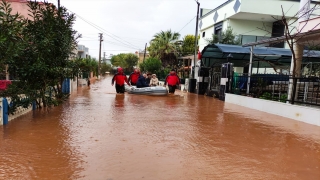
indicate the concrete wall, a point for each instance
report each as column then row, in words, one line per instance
column 202, row 41
column 240, row 27
column 245, row 27
column 298, row 113
column 20, row 7
column 224, row 12
column 270, row 7
column 19, row 112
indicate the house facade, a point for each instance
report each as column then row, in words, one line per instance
column 20, row 6
column 107, row 59
column 82, row 51
column 251, row 20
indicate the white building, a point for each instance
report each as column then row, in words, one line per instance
column 107, row 59
column 252, row 20
column 82, row 51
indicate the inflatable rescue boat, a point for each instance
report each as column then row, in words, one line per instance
column 155, row 90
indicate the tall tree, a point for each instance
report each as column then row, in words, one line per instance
column 152, row 65
column 10, row 34
column 126, row 61
column 48, row 40
column 187, row 46
column 164, row 46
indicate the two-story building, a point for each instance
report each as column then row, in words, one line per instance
column 82, row 51
column 251, row 20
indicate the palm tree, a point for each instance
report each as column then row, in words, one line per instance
column 164, row 45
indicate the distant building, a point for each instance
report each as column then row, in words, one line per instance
column 82, row 51
column 107, row 59
column 140, row 55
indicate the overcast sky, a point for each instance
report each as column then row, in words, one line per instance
column 128, row 24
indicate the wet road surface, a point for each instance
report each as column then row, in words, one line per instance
column 99, row 135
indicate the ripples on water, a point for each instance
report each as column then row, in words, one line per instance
column 98, row 134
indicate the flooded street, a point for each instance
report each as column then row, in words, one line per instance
column 99, row 135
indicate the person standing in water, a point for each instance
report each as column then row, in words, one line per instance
column 120, row 78
column 172, row 80
column 133, row 78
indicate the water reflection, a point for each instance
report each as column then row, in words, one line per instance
column 37, row 147
column 119, row 102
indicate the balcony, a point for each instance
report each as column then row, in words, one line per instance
column 309, row 25
column 81, row 48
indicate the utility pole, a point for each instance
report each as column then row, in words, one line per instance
column 145, row 51
column 99, row 65
column 196, row 39
column 104, row 56
column 58, row 4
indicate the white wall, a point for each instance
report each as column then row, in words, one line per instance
column 202, row 40
column 224, row 12
column 298, row 113
column 263, row 70
column 270, row 7
column 240, row 27
column 245, row 27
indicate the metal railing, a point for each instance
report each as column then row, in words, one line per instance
column 305, row 90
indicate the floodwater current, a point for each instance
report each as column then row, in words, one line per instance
column 99, row 135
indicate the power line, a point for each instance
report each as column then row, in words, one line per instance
column 129, row 45
column 100, row 29
column 103, row 30
column 187, row 23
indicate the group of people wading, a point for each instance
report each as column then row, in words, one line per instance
column 143, row 80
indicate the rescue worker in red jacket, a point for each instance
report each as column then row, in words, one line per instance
column 172, row 80
column 120, row 78
column 133, row 78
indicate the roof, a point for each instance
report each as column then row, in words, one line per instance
column 241, row 55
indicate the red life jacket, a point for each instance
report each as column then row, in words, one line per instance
column 172, row 79
column 133, row 78
column 120, row 78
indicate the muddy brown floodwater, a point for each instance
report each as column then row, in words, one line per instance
column 98, row 135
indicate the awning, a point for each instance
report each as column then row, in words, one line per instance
column 217, row 53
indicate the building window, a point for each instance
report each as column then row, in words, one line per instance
column 204, row 34
column 218, row 29
column 278, row 31
column 245, row 39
